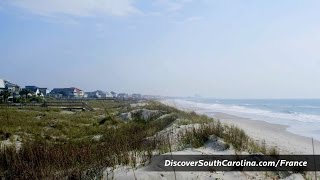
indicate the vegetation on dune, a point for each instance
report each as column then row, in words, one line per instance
column 80, row 145
column 43, row 159
column 58, row 144
column 231, row 135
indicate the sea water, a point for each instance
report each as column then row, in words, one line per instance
column 302, row 116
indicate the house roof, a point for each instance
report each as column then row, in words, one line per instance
column 2, row 84
column 9, row 84
column 57, row 90
column 97, row 92
column 65, row 90
column 32, row 88
column 122, row 94
column 136, row 94
column 77, row 90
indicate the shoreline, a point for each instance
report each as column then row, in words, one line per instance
column 274, row 135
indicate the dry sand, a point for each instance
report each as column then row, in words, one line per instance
column 128, row 173
column 272, row 134
column 125, row 173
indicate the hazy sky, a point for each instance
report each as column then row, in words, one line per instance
column 214, row 48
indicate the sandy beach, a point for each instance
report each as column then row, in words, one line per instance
column 274, row 135
column 209, row 148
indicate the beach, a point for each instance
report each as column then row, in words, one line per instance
column 274, row 135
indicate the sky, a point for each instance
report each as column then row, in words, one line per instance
column 211, row 48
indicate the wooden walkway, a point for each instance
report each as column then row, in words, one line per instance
column 69, row 105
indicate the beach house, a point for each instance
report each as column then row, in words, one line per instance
column 43, row 91
column 136, row 96
column 123, row 96
column 34, row 90
column 67, row 92
column 109, row 95
column 96, row 94
column 13, row 88
column 2, row 85
column 113, row 94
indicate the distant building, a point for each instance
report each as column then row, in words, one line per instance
column 136, row 96
column 67, row 92
column 13, row 88
column 44, row 91
column 123, row 96
column 2, row 85
column 35, row 90
column 55, row 95
column 109, row 95
column 96, row 94
column 114, row 94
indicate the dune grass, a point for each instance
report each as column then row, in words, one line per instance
column 56, row 144
column 59, row 145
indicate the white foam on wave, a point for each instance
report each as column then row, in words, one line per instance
column 309, row 107
column 298, row 123
column 249, row 112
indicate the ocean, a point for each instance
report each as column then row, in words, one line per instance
column 302, row 116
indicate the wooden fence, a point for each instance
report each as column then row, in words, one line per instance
column 69, row 105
